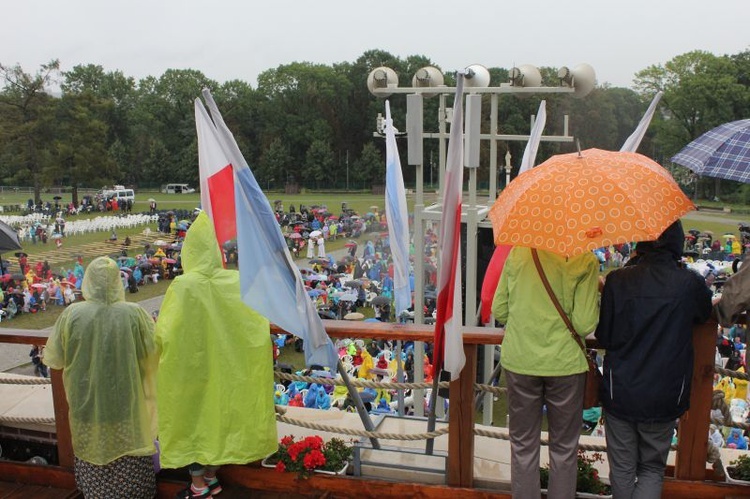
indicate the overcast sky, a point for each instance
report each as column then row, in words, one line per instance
column 240, row 39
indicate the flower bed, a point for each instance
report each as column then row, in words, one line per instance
column 310, row 454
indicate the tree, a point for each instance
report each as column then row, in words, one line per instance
column 701, row 91
column 26, row 109
column 274, row 163
column 318, row 162
column 80, row 152
column 369, row 167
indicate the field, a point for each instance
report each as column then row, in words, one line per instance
column 96, row 244
column 91, row 245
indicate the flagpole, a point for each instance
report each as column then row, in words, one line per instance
column 432, row 416
column 354, row 394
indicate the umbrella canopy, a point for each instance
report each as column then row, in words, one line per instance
column 316, row 233
column 723, row 152
column 348, row 297
column 295, row 235
column 381, row 300
column 353, row 284
column 578, row 202
column 354, row 316
column 8, row 238
column 320, row 261
column 151, row 200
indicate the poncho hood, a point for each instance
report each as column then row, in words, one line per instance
column 200, row 253
column 102, row 283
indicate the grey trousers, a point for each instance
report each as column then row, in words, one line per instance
column 637, row 454
column 563, row 396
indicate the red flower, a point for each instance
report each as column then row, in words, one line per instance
column 280, row 467
column 314, row 442
column 313, row 459
column 287, row 441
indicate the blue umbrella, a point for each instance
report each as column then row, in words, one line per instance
column 723, row 152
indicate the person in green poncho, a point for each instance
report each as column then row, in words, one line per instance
column 106, row 349
column 215, row 379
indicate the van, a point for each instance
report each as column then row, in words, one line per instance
column 118, row 191
column 177, row 189
column 124, row 195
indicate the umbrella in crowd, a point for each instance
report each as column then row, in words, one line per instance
column 295, row 235
column 316, row 233
column 348, row 297
column 578, row 202
column 723, row 152
column 354, row 316
column 353, row 284
column 319, row 261
column 380, row 300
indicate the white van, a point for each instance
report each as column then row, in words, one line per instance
column 120, row 192
column 177, row 189
column 124, row 195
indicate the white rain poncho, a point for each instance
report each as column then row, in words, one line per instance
column 215, row 380
column 106, row 349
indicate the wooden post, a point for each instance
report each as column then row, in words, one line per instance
column 64, row 442
column 461, row 423
column 692, row 448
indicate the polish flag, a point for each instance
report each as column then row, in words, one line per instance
column 216, row 178
column 449, row 348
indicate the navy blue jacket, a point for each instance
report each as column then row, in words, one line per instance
column 647, row 315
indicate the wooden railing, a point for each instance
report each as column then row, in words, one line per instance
column 693, row 428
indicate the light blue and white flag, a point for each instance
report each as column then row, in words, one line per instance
column 632, row 142
column 397, row 216
column 270, row 282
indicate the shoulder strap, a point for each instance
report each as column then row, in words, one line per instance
column 555, row 302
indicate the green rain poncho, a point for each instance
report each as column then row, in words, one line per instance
column 215, row 380
column 106, row 349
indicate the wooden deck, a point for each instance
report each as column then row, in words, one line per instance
column 688, row 479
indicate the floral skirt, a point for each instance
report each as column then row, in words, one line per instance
column 130, row 477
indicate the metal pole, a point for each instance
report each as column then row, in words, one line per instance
column 400, row 379
column 354, row 394
column 432, row 416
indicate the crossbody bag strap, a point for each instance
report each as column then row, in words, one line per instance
column 556, row 303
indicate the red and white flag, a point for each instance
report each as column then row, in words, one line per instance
column 216, row 178
column 449, row 348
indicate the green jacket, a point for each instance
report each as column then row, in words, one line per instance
column 215, row 380
column 537, row 342
column 105, row 347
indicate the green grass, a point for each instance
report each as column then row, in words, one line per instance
column 42, row 320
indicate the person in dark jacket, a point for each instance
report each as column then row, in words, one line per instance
column 647, row 314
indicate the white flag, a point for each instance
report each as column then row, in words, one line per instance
column 532, row 146
column 632, row 143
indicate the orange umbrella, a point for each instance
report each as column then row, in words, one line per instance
column 578, row 202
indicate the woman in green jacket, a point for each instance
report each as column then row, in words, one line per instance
column 544, row 366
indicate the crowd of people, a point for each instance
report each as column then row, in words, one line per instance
column 645, row 307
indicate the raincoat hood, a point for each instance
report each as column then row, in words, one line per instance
column 101, row 282
column 208, row 337
column 200, row 253
column 670, row 241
